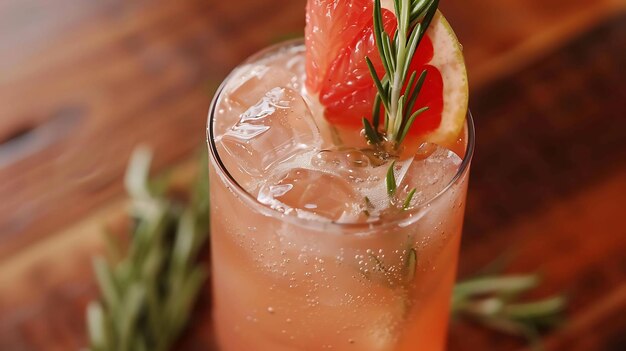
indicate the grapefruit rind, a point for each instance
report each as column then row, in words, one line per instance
column 448, row 59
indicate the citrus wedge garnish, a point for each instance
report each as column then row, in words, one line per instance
column 339, row 35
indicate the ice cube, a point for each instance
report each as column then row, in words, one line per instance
column 429, row 172
column 312, row 193
column 247, row 88
column 276, row 128
column 351, row 164
column 375, row 187
column 249, row 83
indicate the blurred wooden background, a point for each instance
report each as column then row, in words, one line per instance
column 84, row 82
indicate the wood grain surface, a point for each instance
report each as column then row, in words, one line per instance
column 82, row 83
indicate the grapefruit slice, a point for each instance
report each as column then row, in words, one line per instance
column 339, row 35
column 330, row 25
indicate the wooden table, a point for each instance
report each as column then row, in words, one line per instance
column 82, row 83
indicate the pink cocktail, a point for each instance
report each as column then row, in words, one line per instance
column 310, row 251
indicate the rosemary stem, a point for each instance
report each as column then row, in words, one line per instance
column 398, row 80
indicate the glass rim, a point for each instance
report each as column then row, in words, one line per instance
column 252, row 201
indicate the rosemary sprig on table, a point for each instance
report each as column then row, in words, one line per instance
column 494, row 302
column 414, row 18
column 148, row 291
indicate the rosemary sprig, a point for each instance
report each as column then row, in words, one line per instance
column 493, row 301
column 413, row 19
column 148, row 292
